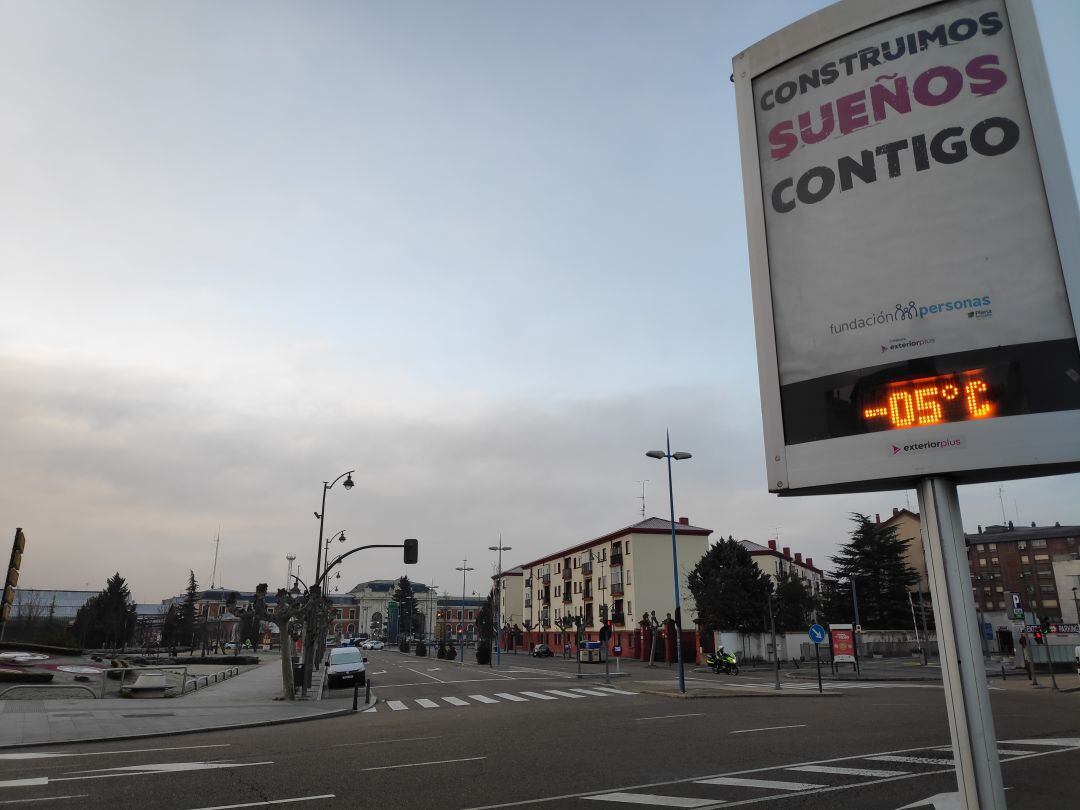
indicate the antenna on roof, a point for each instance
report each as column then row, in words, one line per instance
column 1001, row 500
column 288, row 577
column 217, row 543
column 641, row 497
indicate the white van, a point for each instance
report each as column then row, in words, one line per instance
column 345, row 666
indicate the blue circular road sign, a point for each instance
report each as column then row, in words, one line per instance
column 817, row 633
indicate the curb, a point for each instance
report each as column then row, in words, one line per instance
column 177, row 732
column 739, row 694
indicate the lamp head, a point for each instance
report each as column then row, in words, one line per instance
column 342, row 538
column 656, row 454
column 681, row 456
column 348, row 484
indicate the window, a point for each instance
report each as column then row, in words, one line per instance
column 989, row 605
column 1001, row 605
column 629, row 608
column 628, row 554
column 992, row 547
column 1038, row 544
column 558, row 568
column 470, row 615
column 999, row 589
column 627, row 576
column 557, row 591
column 982, row 562
column 1025, row 559
column 1022, row 544
column 994, row 561
column 1041, row 557
column 1049, row 603
column 1048, row 589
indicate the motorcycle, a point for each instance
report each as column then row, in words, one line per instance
column 722, row 660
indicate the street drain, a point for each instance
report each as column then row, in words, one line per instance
column 69, row 714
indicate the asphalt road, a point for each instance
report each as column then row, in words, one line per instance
column 442, row 735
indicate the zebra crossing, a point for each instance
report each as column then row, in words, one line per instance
column 752, row 787
column 465, row 701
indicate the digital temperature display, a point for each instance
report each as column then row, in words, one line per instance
column 932, row 401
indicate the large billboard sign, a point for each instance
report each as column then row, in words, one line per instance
column 914, row 247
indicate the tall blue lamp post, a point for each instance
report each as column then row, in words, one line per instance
column 463, row 568
column 674, row 553
column 498, row 607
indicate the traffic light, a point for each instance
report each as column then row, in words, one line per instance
column 12, row 580
column 1046, row 624
column 1038, row 635
column 412, row 552
column 603, row 614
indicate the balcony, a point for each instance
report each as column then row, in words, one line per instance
column 567, row 598
column 587, row 594
column 616, row 588
column 586, row 569
column 545, row 597
column 567, row 574
column 528, row 601
column 546, row 579
column 528, row 582
column 618, row 618
column 616, row 558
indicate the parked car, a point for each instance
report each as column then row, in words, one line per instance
column 542, row 651
column 373, row 644
column 344, row 667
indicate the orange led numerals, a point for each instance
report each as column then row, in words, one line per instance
column 932, row 401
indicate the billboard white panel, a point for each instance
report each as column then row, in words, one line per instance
column 911, row 294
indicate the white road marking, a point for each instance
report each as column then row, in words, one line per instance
column 615, row 691
column 483, row 699
column 843, row 771
column 425, row 675
column 651, row 798
column 397, row 705
column 49, row 754
column 508, row 696
column 668, row 716
column 45, row 799
column 268, row 802
column 455, row 701
column 169, row 767
column 419, row 764
column 767, row 728
column 32, row 782
column 380, row 742
column 560, row 693
column 1064, row 742
column 911, row 760
column 593, row 692
column 769, row 784
column 427, row 704
column 539, row 696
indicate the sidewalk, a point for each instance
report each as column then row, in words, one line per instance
column 246, row 700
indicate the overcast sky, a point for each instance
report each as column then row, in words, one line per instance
column 482, row 252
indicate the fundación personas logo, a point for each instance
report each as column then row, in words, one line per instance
column 950, row 443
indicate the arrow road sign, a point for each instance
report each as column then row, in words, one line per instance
column 817, row 633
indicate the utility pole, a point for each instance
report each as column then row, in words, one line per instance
column 772, row 630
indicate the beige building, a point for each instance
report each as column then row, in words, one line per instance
column 909, row 527
column 1067, row 579
column 626, row 574
column 511, row 596
column 772, row 561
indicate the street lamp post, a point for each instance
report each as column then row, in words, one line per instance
column 463, row 568
column 674, row 553
column 498, row 609
column 309, row 646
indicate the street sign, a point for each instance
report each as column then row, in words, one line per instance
column 1054, row 629
column 617, row 650
column 988, row 631
column 1017, row 609
column 843, row 643
column 817, row 633
column 893, row 188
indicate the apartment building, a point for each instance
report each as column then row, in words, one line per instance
column 511, row 590
column 773, row 561
column 626, row 573
column 908, row 527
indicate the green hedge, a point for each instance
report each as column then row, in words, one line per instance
column 42, row 648
column 25, row 676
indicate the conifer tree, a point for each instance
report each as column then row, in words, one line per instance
column 730, row 591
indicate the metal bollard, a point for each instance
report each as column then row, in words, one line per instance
column 355, row 694
column 367, row 697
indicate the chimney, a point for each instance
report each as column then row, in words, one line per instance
column 895, row 511
column 1057, row 524
column 1011, row 525
column 877, row 517
column 685, row 521
column 1033, row 524
column 980, row 528
column 810, row 561
column 798, row 557
column 772, row 545
column 787, row 553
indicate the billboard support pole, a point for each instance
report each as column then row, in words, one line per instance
column 971, row 723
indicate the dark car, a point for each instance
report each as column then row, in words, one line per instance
column 542, row 651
